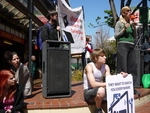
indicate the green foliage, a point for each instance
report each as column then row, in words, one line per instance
column 109, row 18
column 98, row 23
column 77, row 75
column 111, row 56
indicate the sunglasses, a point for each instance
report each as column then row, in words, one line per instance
column 128, row 10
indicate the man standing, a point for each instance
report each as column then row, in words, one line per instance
column 33, row 67
column 146, row 49
column 50, row 31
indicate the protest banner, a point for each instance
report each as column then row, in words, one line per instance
column 120, row 97
column 71, row 21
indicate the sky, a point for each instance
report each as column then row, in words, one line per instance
column 95, row 8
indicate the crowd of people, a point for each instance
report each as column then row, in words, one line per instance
column 96, row 69
column 17, row 80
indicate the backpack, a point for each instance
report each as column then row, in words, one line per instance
column 38, row 40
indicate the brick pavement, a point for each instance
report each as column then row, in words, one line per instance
column 37, row 101
column 145, row 108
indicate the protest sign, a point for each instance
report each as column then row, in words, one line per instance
column 120, row 97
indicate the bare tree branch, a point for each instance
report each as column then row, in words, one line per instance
column 128, row 2
column 122, row 4
column 114, row 12
column 101, row 38
column 137, row 7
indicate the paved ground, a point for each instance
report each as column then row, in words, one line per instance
column 145, row 108
column 76, row 99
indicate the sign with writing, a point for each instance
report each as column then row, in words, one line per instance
column 72, row 20
column 120, row 97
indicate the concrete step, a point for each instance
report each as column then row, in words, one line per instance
column 75, row 103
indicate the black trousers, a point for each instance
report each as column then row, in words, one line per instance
column 83, row 60
column 126, row 59
column 146, row 67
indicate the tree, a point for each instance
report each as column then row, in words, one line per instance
column 114, row 12
column 101, row 38
column 98, row 23
column 102, row 41
column 113, row 9
column 102, row 35
column 112, row 17
column 109, row 19
column 111, row 55
column 143, row 16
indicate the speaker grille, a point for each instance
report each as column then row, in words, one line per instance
column 57, row 76
column 56, row 68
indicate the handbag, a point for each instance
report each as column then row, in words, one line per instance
column 146, row 80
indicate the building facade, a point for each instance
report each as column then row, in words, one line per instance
column 18, row 25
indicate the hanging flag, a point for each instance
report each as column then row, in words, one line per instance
column 71, row 20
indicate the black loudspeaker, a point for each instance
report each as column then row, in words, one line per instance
column 56, row 67
column 140, row 66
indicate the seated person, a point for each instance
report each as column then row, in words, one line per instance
column 94, row 87
column 11, row 97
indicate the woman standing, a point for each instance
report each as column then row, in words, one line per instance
column 22, row 74
column 124, row 34
column 11, row 98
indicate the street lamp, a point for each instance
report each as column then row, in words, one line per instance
column 144, row 19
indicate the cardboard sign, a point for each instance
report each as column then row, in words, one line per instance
column 120, row 97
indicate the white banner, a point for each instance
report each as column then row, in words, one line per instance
column 120, row 97
column 72, row 20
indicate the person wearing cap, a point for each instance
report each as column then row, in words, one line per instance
column 50, row 30
column 125, row 34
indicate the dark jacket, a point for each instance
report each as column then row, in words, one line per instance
column 18, row 103
column 145, row 46
column 49, row 32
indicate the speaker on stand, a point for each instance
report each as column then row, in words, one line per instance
column 139, row 56
column 56, row 69
column 140, row 67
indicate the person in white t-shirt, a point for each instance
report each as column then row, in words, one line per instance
column 94, row 87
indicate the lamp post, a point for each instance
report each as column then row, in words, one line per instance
column 145, row 20
column 30, row 6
